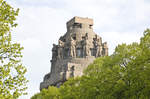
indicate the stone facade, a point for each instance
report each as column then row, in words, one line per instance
column 75, row 51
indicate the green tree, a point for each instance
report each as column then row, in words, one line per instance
column 50, row 93
column 122, row 75
column 12, row 79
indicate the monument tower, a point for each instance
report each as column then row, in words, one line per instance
column 75, row 51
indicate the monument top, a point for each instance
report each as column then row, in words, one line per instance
column 80, row 20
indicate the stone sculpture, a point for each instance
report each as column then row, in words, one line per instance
column 72, row 48
column 86, row 47
column 60, row 49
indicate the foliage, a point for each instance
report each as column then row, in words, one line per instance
column 123, row 75
column 12, row 80
column 50, row 93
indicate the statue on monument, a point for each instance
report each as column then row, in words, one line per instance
column 72, row 48
column 98, row 48
column 86, row 47
column 105, row 49
column 98, row 45
column 60, row 49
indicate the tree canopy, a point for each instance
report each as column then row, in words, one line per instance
column 12, row 79
column 122, row 75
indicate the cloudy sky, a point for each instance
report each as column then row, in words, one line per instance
column 42, row 22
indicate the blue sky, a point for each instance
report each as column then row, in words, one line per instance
column 42, row 22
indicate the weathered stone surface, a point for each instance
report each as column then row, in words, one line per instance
column 75, row 51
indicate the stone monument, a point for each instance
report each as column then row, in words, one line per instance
column 75, row 51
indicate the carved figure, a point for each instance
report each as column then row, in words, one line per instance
column 61, row 43
column 72, row 48
column 98, row 48
column 86, row 47
column 105, row 49
column 60, row 49
column 70, row 72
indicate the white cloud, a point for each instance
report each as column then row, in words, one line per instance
column 115, row 38
column 31, row 44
